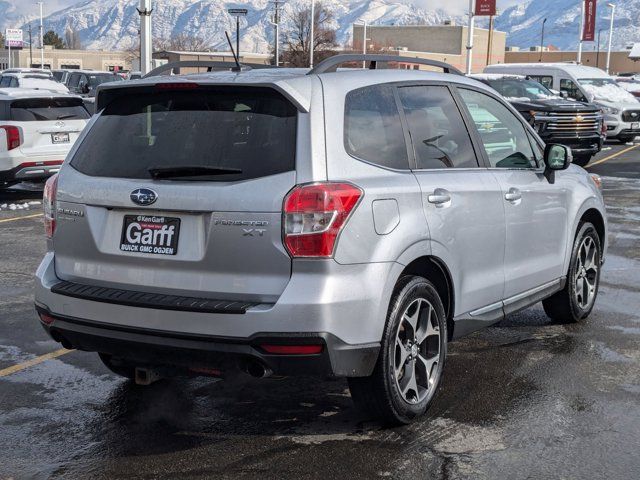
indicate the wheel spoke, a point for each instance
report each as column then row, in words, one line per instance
column 403, row 356
column 412, row 319
column 409, row 381
column 427, row 329
column 427, row 365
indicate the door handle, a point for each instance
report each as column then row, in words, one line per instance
column 439, row 197
column 513, row 195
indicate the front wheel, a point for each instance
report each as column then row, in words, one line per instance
column 411, row 360
column 575, row 301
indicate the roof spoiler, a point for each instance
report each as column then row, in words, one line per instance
column 331, row 64
column 210, row 65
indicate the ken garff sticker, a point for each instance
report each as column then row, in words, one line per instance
column 143, row 196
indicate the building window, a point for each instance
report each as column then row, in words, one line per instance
column 70, row 67
column 115, row 68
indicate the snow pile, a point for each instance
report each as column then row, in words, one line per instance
column 610, row 92
column 19, row 206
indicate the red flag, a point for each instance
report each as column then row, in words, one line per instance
column 485, row 8
column 589, row 27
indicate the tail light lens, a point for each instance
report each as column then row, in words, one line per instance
column 292, row 349
column 49, row 203
column 13, row 136
column 315, row 214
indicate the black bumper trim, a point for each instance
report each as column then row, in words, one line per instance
column 150, row 300
column 148, row 347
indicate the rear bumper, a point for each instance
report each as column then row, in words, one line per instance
column 30, row 170
column 200, row 353
column 344, row 306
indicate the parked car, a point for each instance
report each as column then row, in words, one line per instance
column 32, row 81
column 84, row 82
column 39, row 71
column 630, row 84
column 62, row 74
column 345, row 223
column 585, row 84
column 37, row 130
column 578, row 125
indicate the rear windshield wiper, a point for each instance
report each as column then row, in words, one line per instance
column 64, row 117
column 190, row 171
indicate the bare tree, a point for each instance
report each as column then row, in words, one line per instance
column 181, row 42
column 72, row 39
column 299, row 37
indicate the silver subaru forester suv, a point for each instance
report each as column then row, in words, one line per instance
column 337, row 222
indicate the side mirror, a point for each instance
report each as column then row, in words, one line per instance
column 556, row 157
column 84, row 88
column 564, row 94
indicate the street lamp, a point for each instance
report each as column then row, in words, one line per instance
column 598, row 49
column 313, row 18
column 613, row 11
column 364, row 39
column 542, row 39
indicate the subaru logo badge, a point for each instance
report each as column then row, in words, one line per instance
column 143, row 196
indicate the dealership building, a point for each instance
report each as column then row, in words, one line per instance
column 446, row 43
column 62, row 58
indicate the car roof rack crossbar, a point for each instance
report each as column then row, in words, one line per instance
column 210, row 65
column 331, row 64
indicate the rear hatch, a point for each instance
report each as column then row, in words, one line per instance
column 49, row 125
column 182, row 194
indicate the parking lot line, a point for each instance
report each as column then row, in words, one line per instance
column 33, row 361
column 13, row 219
column 617, row 154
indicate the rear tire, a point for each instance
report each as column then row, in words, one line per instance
column 576, row 300
column 412, row 356
column 118, row 367
column 582, row 160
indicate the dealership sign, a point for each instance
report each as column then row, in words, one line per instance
column 13, row 38
column 589, row 28
column 485, row 8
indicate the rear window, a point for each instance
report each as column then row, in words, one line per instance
column 44, row 109
column 248, row 129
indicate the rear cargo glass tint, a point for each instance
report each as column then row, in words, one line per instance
column 248, row 129
column 47, row 109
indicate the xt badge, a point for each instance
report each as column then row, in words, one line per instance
column 251, row 232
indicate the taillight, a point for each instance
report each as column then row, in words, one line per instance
column 49, row 203
column 292, row 349
column 314, row 215
column 13, row 136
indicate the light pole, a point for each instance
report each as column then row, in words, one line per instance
column 145, row 11
column 313, row 20
column 598, row 49
column 580, row 34
column 364, row 40
column 542, row 39
column 613, row 11
column 470, row 36
column 41, row 37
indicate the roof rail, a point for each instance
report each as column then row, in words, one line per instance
column 211, row 66
column 331, row 64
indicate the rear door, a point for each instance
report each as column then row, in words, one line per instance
column 462, row 201
column 49, row 125
column 535, row 210
column 181, row 193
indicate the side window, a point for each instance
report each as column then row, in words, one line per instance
column 545, row 80
column 572, row 90
column 5, row 82
column 504, row 137
column 14, row 82
column 538, row 151
column 438, row 133
column 372, row 128
column 73, row 80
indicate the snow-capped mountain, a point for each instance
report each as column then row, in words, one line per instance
column 113, row 24
column 523, row 23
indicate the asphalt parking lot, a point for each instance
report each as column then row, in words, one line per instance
column 522, row 399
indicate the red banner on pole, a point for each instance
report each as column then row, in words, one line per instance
column 485, row 8
column 589, row 28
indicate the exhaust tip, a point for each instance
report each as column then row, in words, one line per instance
column 256, row 369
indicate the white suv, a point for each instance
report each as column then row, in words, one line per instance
column 37, row 131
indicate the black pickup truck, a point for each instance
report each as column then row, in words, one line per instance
column 557, row 120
